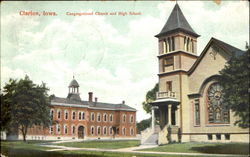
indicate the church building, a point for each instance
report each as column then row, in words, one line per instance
column 77, row 119
column 190, row 99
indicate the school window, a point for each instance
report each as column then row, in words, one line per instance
column 169, row 86
column 104, row 117
column 73, row 129
column 124, row 131
column 104, row 130
column 98, row 130
column 79, row 115
column 131, row 119
column 51, row 129
column 83, row 116
column 92, row 116
column 92, row 130
column 197, row 111
column 58, row 114
column 65, row 129
column 131, row 131
column 111, row 118
column 98, row 117
column 73, row 115
column 66, row 114
column 110, row 130
column 51, row 114
column 124, row 118
column 58, row 128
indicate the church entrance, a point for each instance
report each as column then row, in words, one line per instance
column 80, row 132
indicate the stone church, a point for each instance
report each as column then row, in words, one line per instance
column 190, row 99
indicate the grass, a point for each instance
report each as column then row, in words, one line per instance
column 31, row 149
column 211, row 148
column 103, row 144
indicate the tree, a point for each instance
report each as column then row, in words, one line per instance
column 142, row 125
column 150, row 97
column 26, row 104
column 234, row 78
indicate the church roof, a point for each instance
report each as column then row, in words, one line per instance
column 73, row 83
column 98, row 105
column 226, row 47
column 177, row 22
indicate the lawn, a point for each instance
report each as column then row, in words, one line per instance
column 211, row 148
column 103, row 144
column 31, row 149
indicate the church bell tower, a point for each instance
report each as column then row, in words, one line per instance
column 177, row 53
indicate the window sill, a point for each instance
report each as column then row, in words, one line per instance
column 217, row 125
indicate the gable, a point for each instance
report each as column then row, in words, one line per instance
column 210, row 62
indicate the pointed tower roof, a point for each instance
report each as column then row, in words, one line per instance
column 177, row 22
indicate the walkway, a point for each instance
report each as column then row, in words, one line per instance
column 135, row 151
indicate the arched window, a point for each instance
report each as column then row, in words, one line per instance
column 65, row 129
column 79, row 115
column 124, row 118
column 73, row 130
column 73, row 115
column 218, row 110
column 192, row 45
column 83, row 116
column 104, row 130
column 98, row 117
column 124, row 131
column 185, row 43
column 104, row 117
column 169, row 45
column 92, row 116
column 173, row 44
column 188, row 40
column 58, row 128
column 131, row 119
column 131, row 131
column 98, row 130
column 66, row 114
column 111, row 117
column 92, row 130
column 110, row 130
column 51, row 129
column 51, row 114
column 59, row 114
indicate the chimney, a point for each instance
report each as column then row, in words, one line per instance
column 90, row 96
column 123, row 102
column 96, row 99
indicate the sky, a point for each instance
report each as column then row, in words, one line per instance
column 113, row 56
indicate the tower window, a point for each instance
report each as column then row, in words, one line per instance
column 169, row 86
column 169, row 47
column 173, row 44
column 169, row 61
